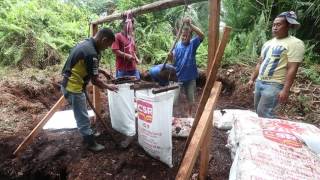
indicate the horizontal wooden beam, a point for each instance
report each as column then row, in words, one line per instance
column 199, row 135
column 155, row 6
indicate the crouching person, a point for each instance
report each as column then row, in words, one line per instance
column 162, row 75
column 81, row 67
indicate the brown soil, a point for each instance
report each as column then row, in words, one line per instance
column 61, row 154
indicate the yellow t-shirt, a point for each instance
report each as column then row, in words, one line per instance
column 76, row 80
column 276, row 53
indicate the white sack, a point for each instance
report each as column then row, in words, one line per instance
column 223, row 119
column 155, row 124
column 181, row 127
column 270, row 149
column 121, row 106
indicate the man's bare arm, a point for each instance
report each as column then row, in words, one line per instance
column 255, row 73
column 125, row 56
column 97, row 82
column 292, row 69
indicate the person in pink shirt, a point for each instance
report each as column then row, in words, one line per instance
column 125, row 49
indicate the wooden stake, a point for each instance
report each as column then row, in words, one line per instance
column 199, row 135
column 204, row 154
column 39, row 126
column 213, row 34
column 96, row 91
column 155, row 6
column 209, row 83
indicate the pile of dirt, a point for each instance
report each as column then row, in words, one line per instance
column 24, row 99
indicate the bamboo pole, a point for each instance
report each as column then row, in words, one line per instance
column 37, row 129
column 199, row 135
column 213, row 34
column 155, row 6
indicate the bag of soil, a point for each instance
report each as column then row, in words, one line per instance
column 155, row 124
column 121, row 106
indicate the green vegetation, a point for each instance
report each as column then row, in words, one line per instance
column 252, row 27
column 41, row 32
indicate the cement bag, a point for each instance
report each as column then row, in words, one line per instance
column 121, row 105
column 223, row 119
column 155, row 124
column 270, row 149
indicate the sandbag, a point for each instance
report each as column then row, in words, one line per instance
column 224, row 118
column 271, row 149
column 122, row 107
column 155, row 124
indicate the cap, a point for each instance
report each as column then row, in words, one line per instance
column 291, row 18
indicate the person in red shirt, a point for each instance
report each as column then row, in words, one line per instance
column 124, row 48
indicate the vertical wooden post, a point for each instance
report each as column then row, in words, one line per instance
column 96, row 91
column 204, row 154
column 213, row 33
column 199, row 136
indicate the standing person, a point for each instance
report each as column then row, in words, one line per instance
column 82, row 66
column 184, row 60
column 277, row 67
column 125, row 49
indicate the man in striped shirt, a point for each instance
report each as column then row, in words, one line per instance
column 279, row 61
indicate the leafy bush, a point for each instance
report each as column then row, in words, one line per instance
column 37, row 27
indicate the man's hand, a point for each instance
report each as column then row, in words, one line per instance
column 250, row 84
column 283, row 96
column 170, row 56
column 112, row 87
column 129, row 57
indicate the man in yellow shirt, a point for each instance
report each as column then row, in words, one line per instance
column 82, row 66
column 279, row 61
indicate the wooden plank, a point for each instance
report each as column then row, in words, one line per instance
column 164, row 89
column 97, row 99
column 198, row 137
column 37, row 129
column 155, row 6
column 213, row 33
column 209, row 83
column 204, row 154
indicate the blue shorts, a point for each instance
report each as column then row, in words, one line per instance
column 120, row 73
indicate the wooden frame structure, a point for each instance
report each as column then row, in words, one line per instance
column 199, row 138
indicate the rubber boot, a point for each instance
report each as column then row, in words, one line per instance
column 92, row 145
column 126, row 142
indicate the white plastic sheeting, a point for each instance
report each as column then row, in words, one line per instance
column 63, row 120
